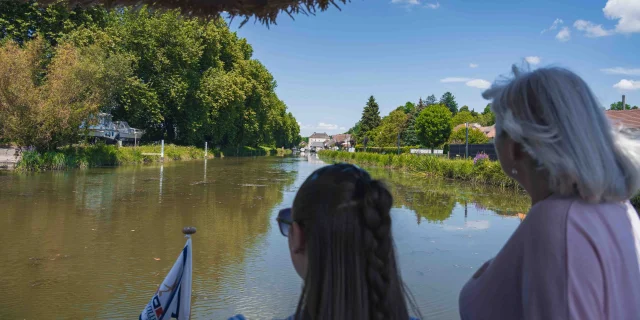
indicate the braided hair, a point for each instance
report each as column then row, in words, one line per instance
column 352, row 271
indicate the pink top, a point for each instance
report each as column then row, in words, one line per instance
column 567, row 260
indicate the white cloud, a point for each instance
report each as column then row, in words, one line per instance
column 454, row 79
column 591, row 29
column 407, row 2
column 625, row 84
column 433, row 5
column 620, row 70
column 628, row 13
column 473, row 65
column 564, row 35
column 533, row 59
column 554, row 26
column 478, row 83
column 327, row 126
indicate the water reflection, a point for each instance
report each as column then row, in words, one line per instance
column 96, row 243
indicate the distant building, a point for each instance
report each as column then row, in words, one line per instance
column 343, row 139
column 317, row 140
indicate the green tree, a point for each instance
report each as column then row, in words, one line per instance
column 433, row 125
column 370, row 118
column 475, row 136
column 618, row 106
column 389, row 129
column 487, row 118
column 464, row 108
column 407, row 108
column 462, row 117
column 449, row 100
column 47, row 111
column 355, row 130
column 431, row 100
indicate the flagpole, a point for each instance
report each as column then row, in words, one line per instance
column 188, row 231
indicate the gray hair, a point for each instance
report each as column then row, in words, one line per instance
column 554, row 115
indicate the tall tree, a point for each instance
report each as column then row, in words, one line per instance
column 487, row 118
column 407, row 108
column 370, row 118
column 391, row 126
column 464, row 108
column 48, row 112
column 431, row 100
column 462, row 117
column 433, row 125
column 460, row 136
column 449, row 100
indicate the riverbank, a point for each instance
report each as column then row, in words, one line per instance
column 483, row 172
column 100, row 155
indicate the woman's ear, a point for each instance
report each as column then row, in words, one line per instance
column 297, row 238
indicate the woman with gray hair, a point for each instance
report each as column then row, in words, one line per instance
column 577, row 253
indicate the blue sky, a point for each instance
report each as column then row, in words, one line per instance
column 328, row 65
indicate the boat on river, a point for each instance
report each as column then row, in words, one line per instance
column 112, row 131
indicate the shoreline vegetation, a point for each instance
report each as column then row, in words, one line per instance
column 101, row 155
column 479, row 171
column 482, row 171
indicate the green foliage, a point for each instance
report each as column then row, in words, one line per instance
column 487, row 117
column 189, row 80
column 462, row 117
column 431, row 100
column 101, row 155
column 464, row 108
column 355, row 130
column 407, row 108
column 485, row 172
column 384, row 150
column 449, row 100
column 618, row 106
column 45, row 106
column 475, row 136
column 433, row 125
column 386, row 135
column 370, row 119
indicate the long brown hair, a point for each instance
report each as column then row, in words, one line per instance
column 351, row 269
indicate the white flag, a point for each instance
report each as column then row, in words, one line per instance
column 172, row 300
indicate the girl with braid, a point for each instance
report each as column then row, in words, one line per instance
column 339, row 233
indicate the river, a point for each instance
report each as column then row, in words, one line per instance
column 94, row 244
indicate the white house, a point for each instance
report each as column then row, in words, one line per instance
column 317, row 140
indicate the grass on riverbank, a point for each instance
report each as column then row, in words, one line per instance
column 485, row 172
column 101, row 155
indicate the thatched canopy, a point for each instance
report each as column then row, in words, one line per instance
column 264, row 11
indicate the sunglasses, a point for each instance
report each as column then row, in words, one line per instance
column 284, row 221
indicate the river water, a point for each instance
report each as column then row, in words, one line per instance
column 95, row 244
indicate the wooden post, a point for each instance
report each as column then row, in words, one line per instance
column 624, row 101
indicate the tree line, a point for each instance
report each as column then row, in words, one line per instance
column 181, row 79
column 429, row 122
